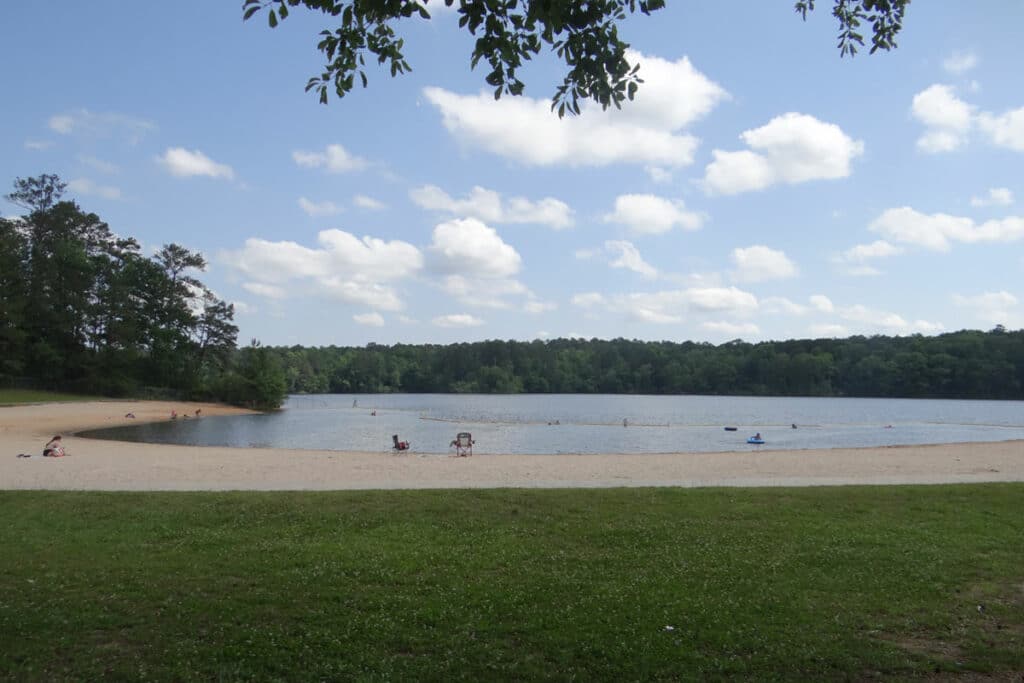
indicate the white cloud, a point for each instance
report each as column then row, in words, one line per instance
column 483, row 292
column 535, row 306
column 457, row 320
column 487, row 205
column 997, row 196
column 936, row 231
column 183, row 163
column 242, row 308
column 325, row 208
column 947, row 119
column 334, row 158
column 960, row 62
column 264, row 290
column 369, row 319
column 760, row 263
column 588, row 299
column 782, row 305
column 673, row 95
column 1005, row 130
column 364, row 202
column 672, row 306
column 628, row 257
column 88, row 187
column 652, row 215
column 821, row 303
column 343, row 267
column 889, row 323
column 469, row 247
column 109, row 124
column 854, row 261
column 993, row 308
column 791, row 148
column 38, row 144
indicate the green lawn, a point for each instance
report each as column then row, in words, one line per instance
column 592, row 585
column 15, row 396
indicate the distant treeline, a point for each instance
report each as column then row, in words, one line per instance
column 81, row 309
column 966, row 364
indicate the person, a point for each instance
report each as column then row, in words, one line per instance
column 198, row 410
column 758, row 436
column 130, row 416
column 794, row 425
column 54, row 449
column 174, row 414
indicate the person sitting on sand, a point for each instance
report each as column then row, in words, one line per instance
column 54, row 449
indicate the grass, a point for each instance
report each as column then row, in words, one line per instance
column 623, row 584
column 16, row 396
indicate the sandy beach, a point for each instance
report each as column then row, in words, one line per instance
column 118, row 466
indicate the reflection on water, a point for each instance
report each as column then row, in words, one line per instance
column 546, row 423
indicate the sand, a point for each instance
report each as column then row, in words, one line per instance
column 101, row 465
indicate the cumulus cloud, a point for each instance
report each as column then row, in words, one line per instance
column 487, row 205
column 101, row 125
column 960, row 62
column 671, row 306
column 781, row 305
column 342, row 267
column 822, row 303
column 334, row 158
column 469, row 247
column 369, row 319
column 184, row 163
column 627, row 256
column 936, row 231
column 1004, row 130
column 947, row 119
column 760, row 263
column 457, row 320
column 364, row 202
column 648, row 131
column 997, row 196
column 791, row 148
column 856, row 259
column 993, row 308
column 886, row 322
column 652, row 215
column 88, row 187
column 325, row 208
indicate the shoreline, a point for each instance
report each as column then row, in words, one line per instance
column 102, row 465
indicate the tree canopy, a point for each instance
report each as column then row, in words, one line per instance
column 82, row 309
column 584, row 35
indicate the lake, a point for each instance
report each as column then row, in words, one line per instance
column 574, row 423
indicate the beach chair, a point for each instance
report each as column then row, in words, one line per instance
column 399, row 445
column 463, row 444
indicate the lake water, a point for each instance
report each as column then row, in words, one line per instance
column 546, row 423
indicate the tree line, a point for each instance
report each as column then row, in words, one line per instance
column 82, row 309
column 965, row 364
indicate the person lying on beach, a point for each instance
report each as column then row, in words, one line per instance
column 54, row 449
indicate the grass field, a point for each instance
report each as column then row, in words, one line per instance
column 15, row 396
column 624, row 584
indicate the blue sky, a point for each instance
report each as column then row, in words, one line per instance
column 760, row 187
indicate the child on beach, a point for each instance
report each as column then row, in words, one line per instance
column 54, row 449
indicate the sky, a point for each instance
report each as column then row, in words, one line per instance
column 760, row 187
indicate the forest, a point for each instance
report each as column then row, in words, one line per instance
column 83, row 310
column 965, row 364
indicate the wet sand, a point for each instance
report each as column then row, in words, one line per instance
column 119, row 466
